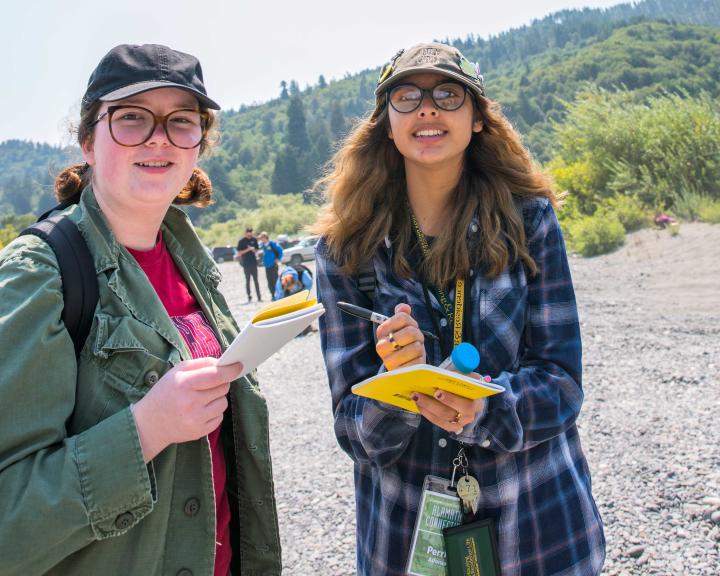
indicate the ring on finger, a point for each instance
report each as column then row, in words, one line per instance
column 391, row 339
column 456, row 420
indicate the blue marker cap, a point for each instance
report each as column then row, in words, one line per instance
column 465, row 357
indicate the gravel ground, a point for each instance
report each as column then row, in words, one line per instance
column 650, row 423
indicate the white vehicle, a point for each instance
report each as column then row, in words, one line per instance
column 301, row 252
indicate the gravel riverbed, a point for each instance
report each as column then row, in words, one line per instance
column 650, row 423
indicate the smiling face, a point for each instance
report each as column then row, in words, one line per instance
column 150, row 175
column 429, row 136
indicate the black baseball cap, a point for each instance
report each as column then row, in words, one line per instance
column 430, row 57
column 130, row 69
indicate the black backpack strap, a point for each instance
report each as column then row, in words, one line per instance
column 366, row 279
column 77, row 270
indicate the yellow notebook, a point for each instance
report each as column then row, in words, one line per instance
column 297, row 301
column 270, row 329
column 396, row 386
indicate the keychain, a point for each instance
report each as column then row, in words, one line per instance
column 468, row 488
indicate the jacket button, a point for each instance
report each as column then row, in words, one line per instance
column 151, row 378
column 192, row 506
column 184, row 572
column 124, row 521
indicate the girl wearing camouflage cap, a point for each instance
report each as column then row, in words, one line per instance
column 433, row 195
column 136, row 455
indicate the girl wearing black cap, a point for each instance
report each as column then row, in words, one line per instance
column 430, row 197
column 140, row 455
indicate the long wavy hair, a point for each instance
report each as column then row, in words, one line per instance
column 366, row 200
column 71, row 180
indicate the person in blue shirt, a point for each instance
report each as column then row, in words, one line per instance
column 293, row 279
column 431, row 197
column 272, row 256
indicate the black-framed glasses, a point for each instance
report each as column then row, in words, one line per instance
column 134, row 125
column 446, row 96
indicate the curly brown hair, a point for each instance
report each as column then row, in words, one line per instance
column 366, row 199
column 71, row 180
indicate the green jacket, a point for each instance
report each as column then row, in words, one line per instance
column 75, row 495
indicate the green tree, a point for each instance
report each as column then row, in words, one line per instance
column 285, row 177
column 337, row 121
column 296, row 128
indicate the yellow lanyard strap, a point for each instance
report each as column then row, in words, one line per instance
column 457, row 317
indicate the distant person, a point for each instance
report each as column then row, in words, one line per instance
column 247, row 252
column 456, row 233
column 294, row 277
column 272, row 255
column 137, row 455
column 664, row 220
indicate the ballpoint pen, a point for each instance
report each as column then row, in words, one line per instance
column 366, row 314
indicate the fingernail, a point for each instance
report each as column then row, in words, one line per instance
column 439, row 395
column 414, row 397
column 488, row 379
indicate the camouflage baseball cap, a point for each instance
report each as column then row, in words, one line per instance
column 431, row 57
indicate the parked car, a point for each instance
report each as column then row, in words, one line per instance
column 285, row 241
column 302, row 251
column 223, row 253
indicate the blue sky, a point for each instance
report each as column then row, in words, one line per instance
column 246, row 48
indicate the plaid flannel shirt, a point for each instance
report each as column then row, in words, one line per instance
column 523, row 449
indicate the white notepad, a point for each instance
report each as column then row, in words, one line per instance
column 270, row 329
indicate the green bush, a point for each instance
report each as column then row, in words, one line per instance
column 663, row 150
column 594, row 235
column 628, row 211
column 7, row 234
column 286, row 214
column 709, row 211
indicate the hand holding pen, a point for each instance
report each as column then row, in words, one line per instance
column 400, row 342
column 373, row 316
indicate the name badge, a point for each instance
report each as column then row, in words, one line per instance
column 440, row 508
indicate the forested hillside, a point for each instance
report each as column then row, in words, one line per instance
column 651, row 47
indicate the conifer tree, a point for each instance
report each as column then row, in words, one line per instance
column 337, row 121
column 285, row 178
column 296, row 129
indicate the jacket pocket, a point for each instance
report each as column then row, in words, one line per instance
column 500, row 329
column 124, row 350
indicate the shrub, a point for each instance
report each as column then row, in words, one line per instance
column 687, row 206
column 7, row 234
column 594, row 235
column 664, row 150
column 286, row 214
column 628, row 211
column 709, row 211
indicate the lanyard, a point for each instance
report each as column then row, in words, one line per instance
column 455, row 316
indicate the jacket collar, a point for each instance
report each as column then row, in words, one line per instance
column 126, row 279
column 177, row 232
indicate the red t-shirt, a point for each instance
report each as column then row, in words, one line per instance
column 185, row 312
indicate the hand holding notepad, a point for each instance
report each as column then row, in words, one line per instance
column 270, row 329
column 396, row 386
